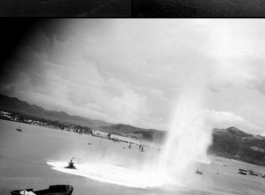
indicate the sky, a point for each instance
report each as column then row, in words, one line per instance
column 133, row 71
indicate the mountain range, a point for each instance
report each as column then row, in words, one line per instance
column 152, row 135
column 230, row 143
column 236, row 144
column 15, row 105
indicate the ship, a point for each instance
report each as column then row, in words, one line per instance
column 198, row 172
column 19, row 129
column 70, row 165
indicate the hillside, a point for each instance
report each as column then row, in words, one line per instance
column 15, row 105
column 229, row 143
column 134, row 132
column 236, row 144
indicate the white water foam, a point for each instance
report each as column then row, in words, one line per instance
column 113, row 174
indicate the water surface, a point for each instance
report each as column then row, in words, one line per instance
column 24, row 156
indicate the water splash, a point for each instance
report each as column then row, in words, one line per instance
column 186, row 143
column 188, row 136
column 111, row 174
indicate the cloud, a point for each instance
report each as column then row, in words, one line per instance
column 131, row 71
column 258, row 69
column 231, row 73
column 7, row 88
column 223, row 119
column 78, row 87
column 258, row 84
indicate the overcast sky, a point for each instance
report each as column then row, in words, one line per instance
column 133, row 71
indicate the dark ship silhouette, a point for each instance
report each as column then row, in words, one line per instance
column 19, row 129
column 70, row 165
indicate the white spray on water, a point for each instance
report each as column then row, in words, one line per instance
column 188, row 136
column 187, row 142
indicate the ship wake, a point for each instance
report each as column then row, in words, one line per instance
column 113, row 174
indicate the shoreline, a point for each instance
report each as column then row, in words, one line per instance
column 128, row 140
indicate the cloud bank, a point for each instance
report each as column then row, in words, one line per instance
column 131, row 71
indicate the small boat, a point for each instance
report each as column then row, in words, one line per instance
column 19, row 129
column 199, row 172
column 54, row 189
column 70, row 165
column 242, row 171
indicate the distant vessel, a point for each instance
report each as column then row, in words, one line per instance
column 70, row 165
column 243, row 171
column 55, row 189
column 19, row 129
column 199, row 172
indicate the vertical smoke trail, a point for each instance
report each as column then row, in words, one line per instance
column 188, row 136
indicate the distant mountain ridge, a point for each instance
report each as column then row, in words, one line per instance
column 233, row 131
column 236, row 144
column 153, row 135
column 229, row 143
column 15, row 105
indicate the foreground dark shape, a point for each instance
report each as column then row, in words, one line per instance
column 70, row 165
column 197, row 9
column 55, row 189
